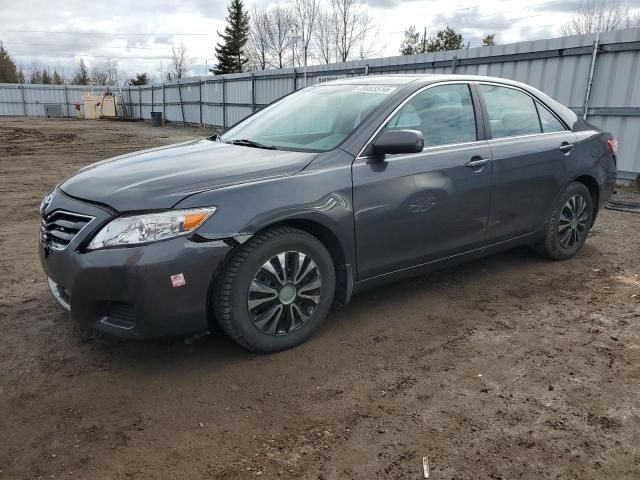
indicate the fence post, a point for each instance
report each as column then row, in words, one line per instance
column 140, row 100
column 253, row 93
column 295, row 82
column 66, row 101
column 454, row 64
column 130, row 101
column 224, row 103
column 24, row 103
column 592, row 70
column 184, row 123
column 164, row 115
column 200, row 99
column 152, row 106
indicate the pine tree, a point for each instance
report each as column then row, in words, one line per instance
column 447, row 39
column 489, row 40
column 231, row 53
column 57, row 78
column 139, row 79
column 82, row 75
column 411, row 43
column 8, row 72
column 46, row 78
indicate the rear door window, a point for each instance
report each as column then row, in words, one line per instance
column 511, row 112
column 444, row 114
column 548, row 120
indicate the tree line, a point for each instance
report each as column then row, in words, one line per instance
column 296, row 33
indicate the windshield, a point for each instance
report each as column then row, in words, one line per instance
column 314, row 119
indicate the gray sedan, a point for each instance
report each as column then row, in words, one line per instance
column 331, row 190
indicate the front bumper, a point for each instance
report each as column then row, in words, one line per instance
column 129, row 292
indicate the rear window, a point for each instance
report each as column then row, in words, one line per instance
column 511, row 112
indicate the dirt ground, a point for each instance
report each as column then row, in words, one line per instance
column 509, row 367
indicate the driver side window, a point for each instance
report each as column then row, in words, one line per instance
column 443, row 114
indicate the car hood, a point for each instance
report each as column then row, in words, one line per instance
column 160, row 177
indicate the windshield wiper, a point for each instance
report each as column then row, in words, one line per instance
column 250, row 143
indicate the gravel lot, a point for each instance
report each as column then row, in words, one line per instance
column 509, row 367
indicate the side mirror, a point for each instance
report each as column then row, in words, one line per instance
column 399, row 141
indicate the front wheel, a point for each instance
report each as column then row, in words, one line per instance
column 276, row 290
column 569, row 223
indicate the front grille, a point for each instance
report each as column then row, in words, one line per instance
column 59, row 228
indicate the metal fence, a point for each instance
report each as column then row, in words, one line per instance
column 599, row 73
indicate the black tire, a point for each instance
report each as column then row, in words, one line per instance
column 231, row 295
column 569, row 223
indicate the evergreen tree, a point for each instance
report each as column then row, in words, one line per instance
column 8, row 72
column 447, row 39
column 411, row 43
column 82, row 74
column 489, row 40
column 46, row 78
column 139, row 79
column 57, row 78
column 231, row 53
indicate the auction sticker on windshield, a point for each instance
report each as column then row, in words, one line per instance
column 383, row 89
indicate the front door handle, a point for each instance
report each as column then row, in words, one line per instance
column 566, row 147
column 477, row 162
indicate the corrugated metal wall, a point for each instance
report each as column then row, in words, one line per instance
column 30, row 100
column 559, row 66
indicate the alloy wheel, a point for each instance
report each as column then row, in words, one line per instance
column 573, row 221
column 284, row 293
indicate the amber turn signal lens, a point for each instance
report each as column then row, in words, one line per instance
column 194, row 220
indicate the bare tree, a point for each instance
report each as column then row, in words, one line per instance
column 180, row 62
column 324, row 37
column 306, row 12
column 353, row 27
column 592, row 16
column 281, row 35
column 258, row 44
column 368, row 39
column 105, row 73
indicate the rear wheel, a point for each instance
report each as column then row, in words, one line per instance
column 276, row 290
column 569, row 223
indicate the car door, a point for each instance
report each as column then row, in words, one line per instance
column 533, row 156
column 410, row 209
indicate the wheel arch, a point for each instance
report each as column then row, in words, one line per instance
column 344, row 270
column 345, row 277
column 594, row 189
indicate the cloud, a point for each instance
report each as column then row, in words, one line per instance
column 387, row 4
column 473, row 18
column 569, row 6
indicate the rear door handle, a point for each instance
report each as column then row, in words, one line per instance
column 566, row 147
column 477, row 162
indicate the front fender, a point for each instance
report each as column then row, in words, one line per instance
column 320, row 194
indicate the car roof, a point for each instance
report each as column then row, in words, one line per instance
column 421, row 79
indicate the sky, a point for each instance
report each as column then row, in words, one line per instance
column 139, row 33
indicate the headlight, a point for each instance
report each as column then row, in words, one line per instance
column 137, row 229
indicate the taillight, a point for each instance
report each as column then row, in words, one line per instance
column 613, row 145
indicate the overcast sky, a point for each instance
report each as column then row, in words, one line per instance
column 139, row 33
